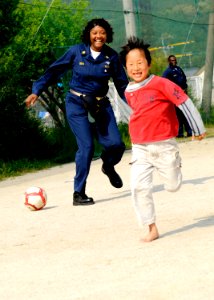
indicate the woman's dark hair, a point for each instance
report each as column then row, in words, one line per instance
column 97, row 22
column 135, row 43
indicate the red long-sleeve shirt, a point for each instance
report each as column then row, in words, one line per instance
column 153, row 115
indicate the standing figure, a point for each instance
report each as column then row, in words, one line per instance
column 153, row 127
column 88, row 109
column 176, row 74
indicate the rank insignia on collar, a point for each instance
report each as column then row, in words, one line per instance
column 81, row 63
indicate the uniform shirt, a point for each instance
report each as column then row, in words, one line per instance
column 176, row 75
column 89, row 76
column 153, row 115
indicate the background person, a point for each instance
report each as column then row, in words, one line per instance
column 177, row 75
column 153, row 127
column 93, row 63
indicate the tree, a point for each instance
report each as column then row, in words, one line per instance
column 25, row 57
column 10, row 21
column 208, row 71
column 60, row 29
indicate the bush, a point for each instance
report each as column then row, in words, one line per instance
column 21, row 135
column 63, row 144
column 123, row 128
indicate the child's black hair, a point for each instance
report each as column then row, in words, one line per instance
column 135, row 43
column 97, row 22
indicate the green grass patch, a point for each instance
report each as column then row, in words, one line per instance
column 23, row 166
column 209, row 131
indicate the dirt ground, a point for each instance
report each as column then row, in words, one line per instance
column 94, row 253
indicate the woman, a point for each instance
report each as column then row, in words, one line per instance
column 93, row 63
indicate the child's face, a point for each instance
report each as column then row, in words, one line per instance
column 136, row 65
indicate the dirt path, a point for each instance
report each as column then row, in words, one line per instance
column 94, row 253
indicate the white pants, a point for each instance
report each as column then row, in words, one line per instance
column 161, row 156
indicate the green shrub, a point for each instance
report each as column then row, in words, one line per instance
column 124, row 131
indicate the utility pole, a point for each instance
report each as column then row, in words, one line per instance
column 129, row 18
column 208, row 72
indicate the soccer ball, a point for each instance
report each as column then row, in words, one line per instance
column 35, row 198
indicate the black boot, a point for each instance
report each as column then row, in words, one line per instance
column 82, row 199
column 114, row 178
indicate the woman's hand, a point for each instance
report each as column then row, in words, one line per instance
column 31, row 99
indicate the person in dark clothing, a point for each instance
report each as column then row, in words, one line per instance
column 176, row 74
column 88, row 109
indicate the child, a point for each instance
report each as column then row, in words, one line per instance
column 153, row 127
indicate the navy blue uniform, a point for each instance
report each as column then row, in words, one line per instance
column 89, row 76
column 176, row 74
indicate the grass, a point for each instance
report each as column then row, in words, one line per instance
column 24, row 166
column 210, row 131
column 21, row 167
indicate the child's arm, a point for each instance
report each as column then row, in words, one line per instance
column 193, row 117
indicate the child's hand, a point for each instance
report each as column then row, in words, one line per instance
column 199, row 137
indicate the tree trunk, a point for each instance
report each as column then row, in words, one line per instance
column 208, row 72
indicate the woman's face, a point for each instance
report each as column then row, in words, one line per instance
column 98, row 37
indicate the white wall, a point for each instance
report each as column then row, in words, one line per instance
column 196, row 85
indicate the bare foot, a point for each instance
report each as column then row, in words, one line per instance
column 152, row 235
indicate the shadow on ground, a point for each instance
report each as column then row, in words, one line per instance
column 202, row 222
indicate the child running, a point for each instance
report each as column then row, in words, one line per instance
column 153, row 127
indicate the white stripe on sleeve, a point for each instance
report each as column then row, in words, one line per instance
column 193, row 117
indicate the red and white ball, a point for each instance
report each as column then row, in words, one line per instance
column 35, row 198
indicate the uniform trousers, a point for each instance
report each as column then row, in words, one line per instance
column 165, row 159
column 84, row 131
